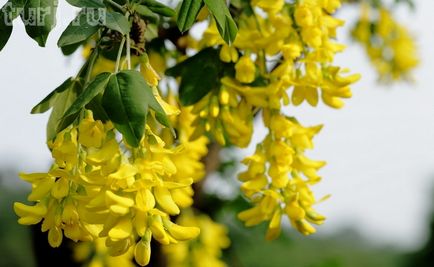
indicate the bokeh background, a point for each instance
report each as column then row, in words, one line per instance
column 379, row 149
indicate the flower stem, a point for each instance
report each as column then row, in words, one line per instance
column 118, row 59
column 128, row 45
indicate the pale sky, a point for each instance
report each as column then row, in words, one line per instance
column 379, row 148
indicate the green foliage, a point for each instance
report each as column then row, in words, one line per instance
column 146, row 13
column 158, row 8
column 97, row 86
column 118, row 22
column 86, row 3
column 199, row 75
column 225, row 23
column 50, row 99
column 5, row 29
column 79, row 30
column 7, row 15
column 187, row 14
column 61, row 104
column 126, row 101
column 39, row 27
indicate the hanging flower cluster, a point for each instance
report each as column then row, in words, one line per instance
column 99, row 188
column 389, row 45
column 283, row 54
column 129, row 132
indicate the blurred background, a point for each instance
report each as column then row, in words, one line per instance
column 379, row 150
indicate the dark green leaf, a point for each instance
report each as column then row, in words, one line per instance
column 79, row 30
column 225, row 24
column 70, row 49
column 199, row 75
column 118, row 22
column 8, row 13
column 87, row 3
column 187, row 14
column 50, row 99
column 6, row 31
column 97, row 109
column 63, row 101
column 158, row 8
column 39, row 24
column 124, row 102
column 18, row 6
column 147, row 14
column 94, row 88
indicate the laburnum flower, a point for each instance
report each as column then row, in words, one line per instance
column 245, row 70
column 95, row 190
column 99, row 188
column 207, row 248
column 389, row 45
column 293, row 46
column 224, row 113
column 273, row 180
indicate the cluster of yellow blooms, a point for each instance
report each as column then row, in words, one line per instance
column 290, row 47
column 388, row 44
column 266, row 183
column 102, row 190
column 207, row 248
column 99, row 187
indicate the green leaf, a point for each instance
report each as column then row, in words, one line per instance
column 159, row 8
column 51, row 98
column 225, row 24
column 62, row 102
column 8, row 13
column 39, row 24
column 124, row 102
column 146, row 13
column 70, row 49
column 78, row 30
column 94, row 88
column 187, row 14
column 5, row 29
column 87, row 3
column 199, row 75
column 97, row 109
column 117, row 21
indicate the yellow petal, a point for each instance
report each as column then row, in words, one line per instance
column 145, row 201
column 60, row 188
column 32, row 177
column 182, row 233
column 165, row 200
column 41, row 189
column 122, row 230
column 112, row 198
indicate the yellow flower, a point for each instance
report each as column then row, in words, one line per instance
column 228, row 54
column 245, row 70
column 91, row 132
column 206, row 249
column 269, row 6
